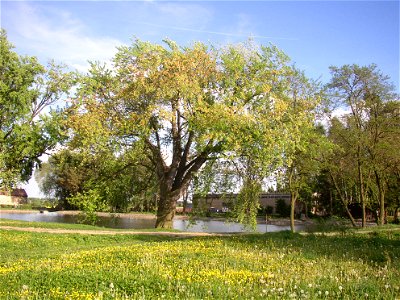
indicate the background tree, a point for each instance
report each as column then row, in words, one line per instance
column 341, row 167
column 367, row 93
column 305, row 165
column 26, row 89
column 393, row 194
column 63, row 176
column 69, row 175
column 300, row 160
column 383, row 139
column 181, row 107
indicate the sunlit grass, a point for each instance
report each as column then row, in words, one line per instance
column 53, row 225
column 270, row 266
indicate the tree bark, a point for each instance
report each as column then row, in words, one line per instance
column 166, row 210
column 381, row 197
column 382, row 208
column 348, row 212
column 185, row 202
column 172, row 186
column 361, row 187
column 396, row 217
column 168, row 197
column 293, row 199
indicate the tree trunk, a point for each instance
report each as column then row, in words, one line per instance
column 185, row 202
column 292, row 210
column 381, row 197
column 396, row 217
column 166, row 210
column 348, row 212
column 381, row 207
column 364, row 215
column 362, row 193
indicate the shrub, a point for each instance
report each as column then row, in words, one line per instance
column 282, row 209
column 89, row 202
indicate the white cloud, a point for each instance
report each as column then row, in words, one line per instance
column 55, row 34
column 32, row 188
column 340, row 112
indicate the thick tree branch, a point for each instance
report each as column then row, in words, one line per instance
column 157, row 159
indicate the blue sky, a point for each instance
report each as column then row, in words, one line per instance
column 315, row 34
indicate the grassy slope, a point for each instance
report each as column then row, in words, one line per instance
column 272, row 266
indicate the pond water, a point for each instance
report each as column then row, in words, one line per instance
column 212, row 226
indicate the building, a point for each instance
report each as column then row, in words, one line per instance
column 225, row 202
column 16, row 197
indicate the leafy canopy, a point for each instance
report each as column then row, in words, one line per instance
column 26, row 88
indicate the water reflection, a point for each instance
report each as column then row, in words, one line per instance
column 215, row 226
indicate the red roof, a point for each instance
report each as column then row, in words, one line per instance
column 19, row 193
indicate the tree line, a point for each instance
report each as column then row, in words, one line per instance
column 166, row 119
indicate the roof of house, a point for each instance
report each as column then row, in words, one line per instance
column 19, row 193
column 275, row 195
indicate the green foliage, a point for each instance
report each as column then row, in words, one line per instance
column 26, row 89
column 192, row 105
column 89, row 203
column 248, row 203
column 118, row 179
column 64, row 175
column 368, row 136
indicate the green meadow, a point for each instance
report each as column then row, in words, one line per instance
column 343, row 265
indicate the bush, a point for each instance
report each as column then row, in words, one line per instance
column 282, row 209
column 89, row 203
column 269, row 210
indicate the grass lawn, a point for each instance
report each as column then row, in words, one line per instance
column 349, row 265
column 67, row 226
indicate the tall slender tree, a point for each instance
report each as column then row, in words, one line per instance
column 368, row 94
